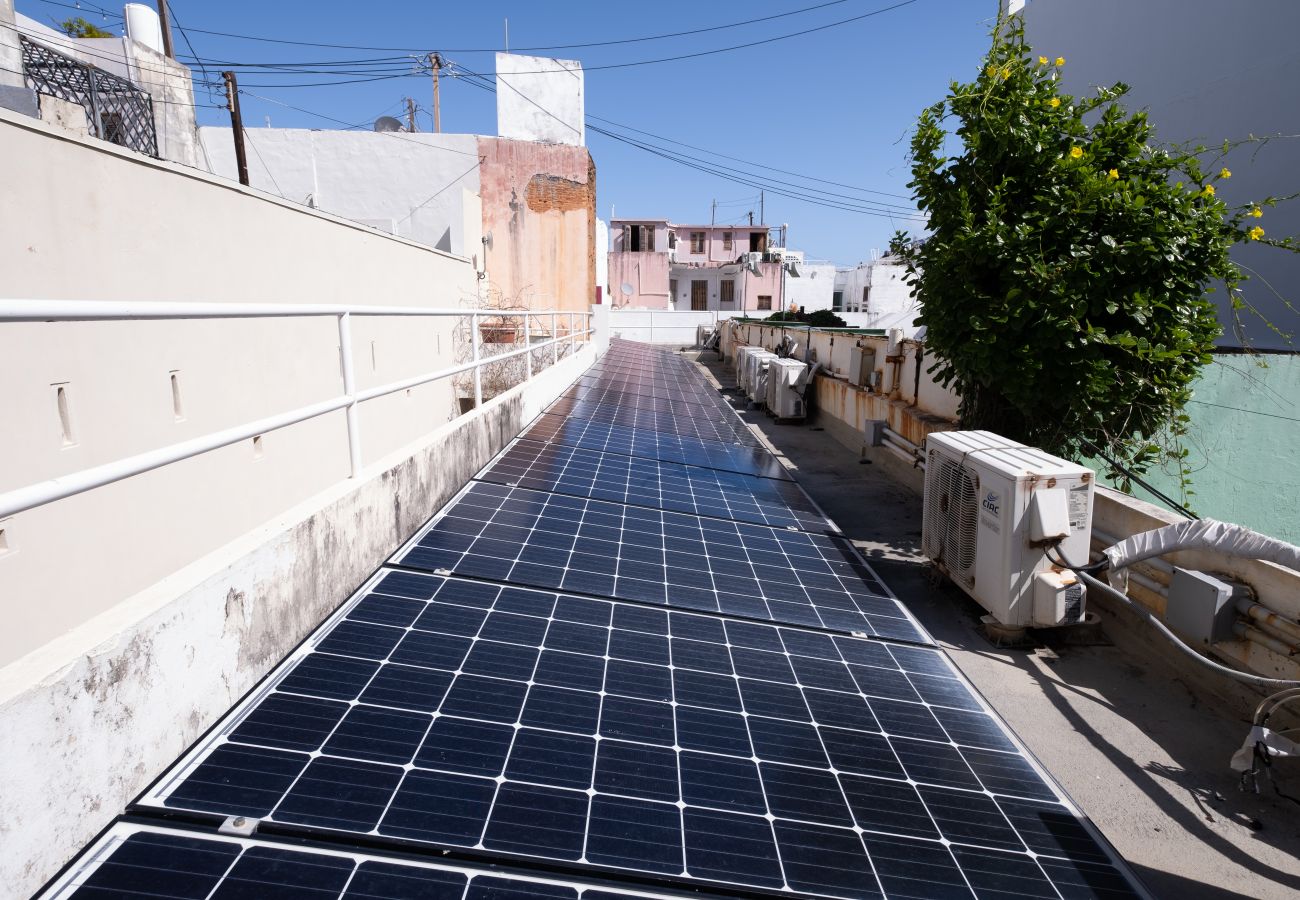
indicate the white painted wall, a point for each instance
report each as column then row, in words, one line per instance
column 890, row 303
column 1242, row 82
column 540, row 99
column 411, row 185
column 814, row 287
column 602, row 258
column 101, row 223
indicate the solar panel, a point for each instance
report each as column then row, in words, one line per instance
column 610, row 737
column 632, row 553
column 649, row 482
column 600, row 393
column 711, row 427
column 611, row 438
column 136, row 860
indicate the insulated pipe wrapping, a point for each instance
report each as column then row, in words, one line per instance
column 1198, row 534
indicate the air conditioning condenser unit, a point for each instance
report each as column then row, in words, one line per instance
column 785, row 386
column 994, row 508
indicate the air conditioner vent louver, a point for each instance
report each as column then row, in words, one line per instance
column 951, row 514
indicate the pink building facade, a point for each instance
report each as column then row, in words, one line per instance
column 656, row 264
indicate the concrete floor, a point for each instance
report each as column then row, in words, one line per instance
column 1140, row 744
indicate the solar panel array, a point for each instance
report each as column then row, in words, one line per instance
column 564, row 686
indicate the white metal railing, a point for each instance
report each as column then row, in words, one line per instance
column 43, row 492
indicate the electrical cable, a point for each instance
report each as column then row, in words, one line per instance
column 613, row 42
column 1059, row 560
column 1253, row 412
column 267, row 168
column 1135, row 478
column 1154, row 621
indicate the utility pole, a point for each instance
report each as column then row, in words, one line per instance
column 236, row 124
column 166, row 29
column 410, row 115
column 762, row 207
column 435, row 63
column 713, row 217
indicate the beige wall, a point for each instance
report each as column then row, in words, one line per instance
column 98, row 223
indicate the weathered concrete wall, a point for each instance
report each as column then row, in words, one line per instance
column 889, row 300
column 539, row 204
column 90, row 719
column 411, row 185
column 540, row 99
column 645, row 276
column 813, row 289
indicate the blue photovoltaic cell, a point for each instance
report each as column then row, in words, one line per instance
column 649, row 482
column 613, row 550
column 720, row 426
column 611, row 438
column 615, row 736
column 139, row 861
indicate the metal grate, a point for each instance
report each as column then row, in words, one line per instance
column 951, row 515
column 118, row 111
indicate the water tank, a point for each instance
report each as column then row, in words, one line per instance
column 143, row 27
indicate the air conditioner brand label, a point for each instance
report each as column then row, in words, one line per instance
column 991, row 511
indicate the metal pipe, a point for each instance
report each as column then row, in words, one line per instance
column 1152, row 620
column 1270, row 620
column 350, row 390
column 66, row 485
column 478, row 370
column 904, row 455
column 893, row 442
column 902, row 440
column 112, row 311
column 1257, row 636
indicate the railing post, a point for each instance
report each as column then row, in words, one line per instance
column 478, row 367
column 350, row 389
column 528, row 342
column 555, row 339
column 573, row 335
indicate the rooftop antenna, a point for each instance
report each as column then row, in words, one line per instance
column 507, row 35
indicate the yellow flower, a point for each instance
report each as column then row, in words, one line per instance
column 1060, row 61
column 1224, row 173
column 991, row 71
column 1042, row 60
column 1076, row 152
column 1255, row 233
column 1054, row 102
column 1113, row 174
column 1005, row 73
column 1256, row 213
column 1209, row 191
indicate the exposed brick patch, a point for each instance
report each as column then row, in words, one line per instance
column 551, row 192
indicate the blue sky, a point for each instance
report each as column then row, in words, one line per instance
column 836, row 104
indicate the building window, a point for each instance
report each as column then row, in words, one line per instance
column 726, row 240
column 672, row 290
column 837, row 301
column 638, row 238
column 758, row 242
column 699, row 295
column 764, row 301
column 866, row 292
column 697, row 241
column 728, row 292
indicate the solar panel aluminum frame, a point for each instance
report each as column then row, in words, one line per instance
column 844, row 545
column 152, row 802
column 100, row 852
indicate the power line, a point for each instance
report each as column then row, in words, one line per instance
column 265, row 167
column 1253, row 412
column 604, row 43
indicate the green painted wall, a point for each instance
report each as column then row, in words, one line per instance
column 1245, row 445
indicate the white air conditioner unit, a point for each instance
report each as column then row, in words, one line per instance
column 742, row 365
column 993, row 508
column 756, row 379
column 785, row 383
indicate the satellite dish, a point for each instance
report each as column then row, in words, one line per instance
column 388, row 123
column 627, row 289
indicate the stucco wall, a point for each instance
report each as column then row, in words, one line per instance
column 813, row 289
column 411, row 185
column 134, row 235
column 749, row 287
column 87, row 722
column 645, row 276
column 540, row 99
column 1207, row 72
column 539, row 205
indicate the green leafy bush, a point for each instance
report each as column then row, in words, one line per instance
column 1064, row 280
